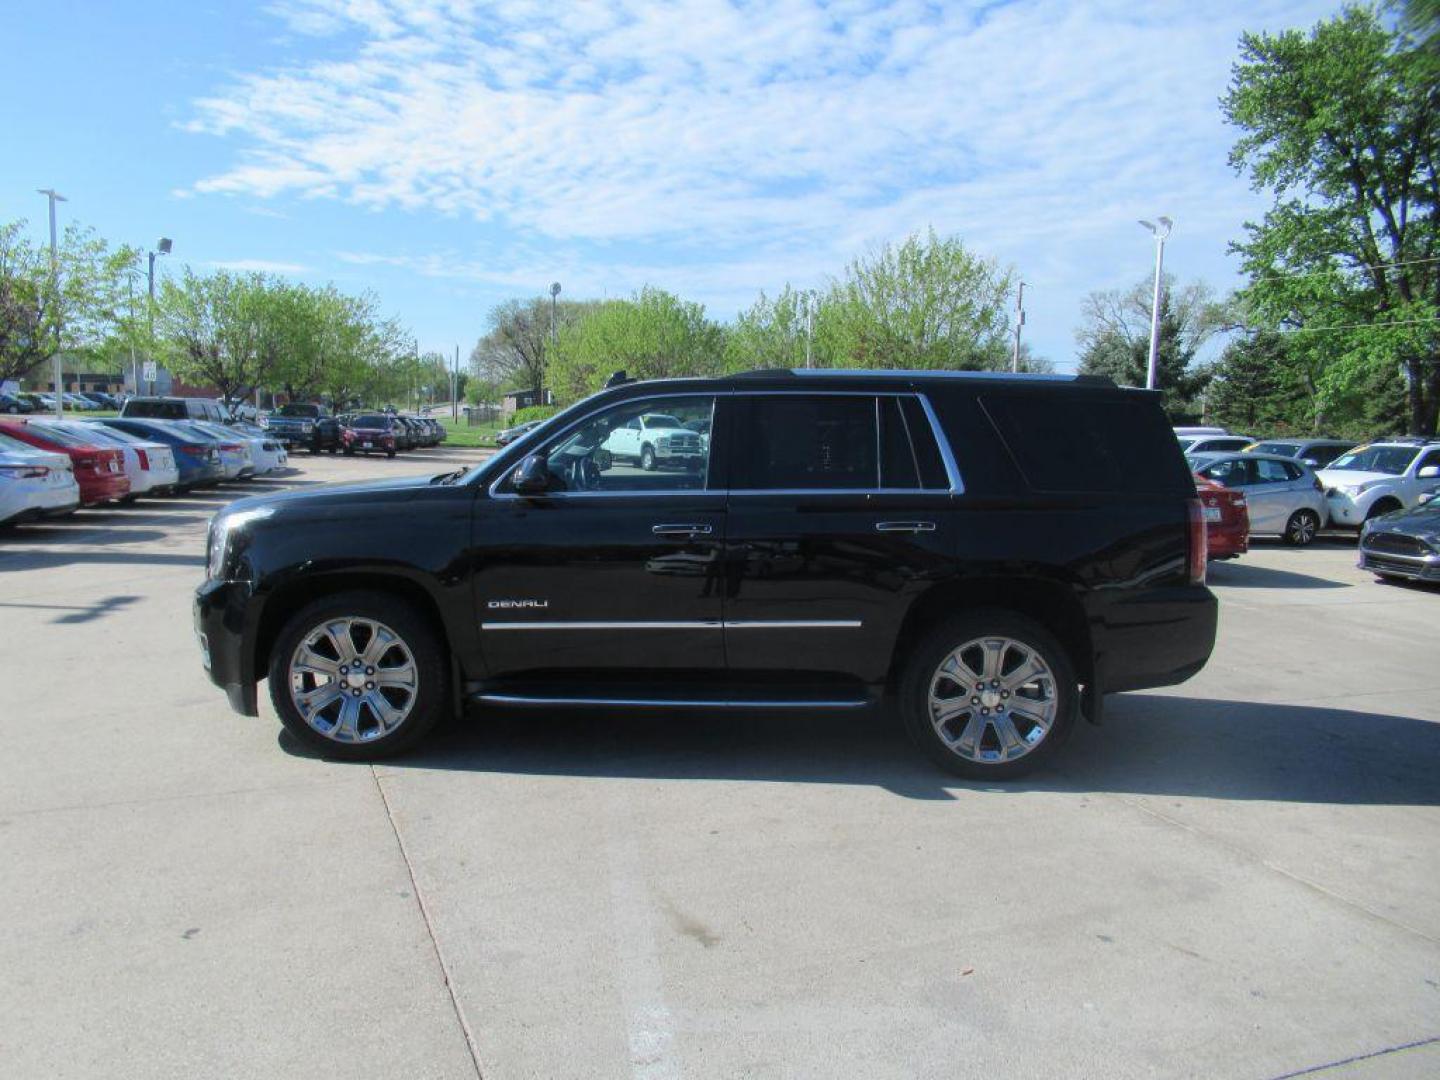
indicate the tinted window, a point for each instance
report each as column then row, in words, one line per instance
column 1323, row 455
column 899, row 466
column 610, row 453
column 1281, row 449
column 372, row 420
column 1083, row 442
column 922, row 440
column 1232, row 472
column 796, row 442
column 310, row 411
column 163, row 410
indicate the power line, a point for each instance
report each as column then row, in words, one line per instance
column 1344, row 269
column 1345, row 326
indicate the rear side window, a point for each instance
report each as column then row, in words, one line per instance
column 1082, row 442
column 799, row 442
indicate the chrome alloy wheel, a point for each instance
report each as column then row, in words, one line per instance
column 353, row 680
column 993, row 700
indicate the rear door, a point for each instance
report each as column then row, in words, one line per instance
column 839, row 514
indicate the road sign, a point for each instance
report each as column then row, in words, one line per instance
column 147, row 371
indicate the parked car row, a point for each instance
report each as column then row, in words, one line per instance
column 388, row 433
column 50, row 466
column 85, row 401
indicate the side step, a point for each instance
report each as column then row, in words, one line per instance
column 538, row 701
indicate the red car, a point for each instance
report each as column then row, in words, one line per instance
column 1227, row 519
column 369, row 432
column 99, row 470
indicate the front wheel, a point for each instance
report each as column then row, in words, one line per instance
column 647, row 458
column 1300, row 530
column 359, row 675
column 989, row 695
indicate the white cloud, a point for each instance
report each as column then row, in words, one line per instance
column 736, row 138
column 259, row 266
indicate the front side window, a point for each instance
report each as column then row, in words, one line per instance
column 635, row 447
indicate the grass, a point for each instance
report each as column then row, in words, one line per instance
column 462, row 434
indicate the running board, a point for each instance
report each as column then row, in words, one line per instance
column 533, row 701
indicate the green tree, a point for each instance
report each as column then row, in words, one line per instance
column 773, row 333
column 76, row 313
column 514, row 351
column 1257, row 386
column 1342, row 126
column 1114, row 339
column 927, row 303
column 653, row 335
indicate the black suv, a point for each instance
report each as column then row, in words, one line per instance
column 304, row 424
column 992, row 552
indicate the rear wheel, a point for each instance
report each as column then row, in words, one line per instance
column 989, row 695
column 389, row 453
column 1300, row 530
column 359, row 675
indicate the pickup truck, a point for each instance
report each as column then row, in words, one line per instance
column 302, row 424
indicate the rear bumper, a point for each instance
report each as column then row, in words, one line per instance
column 1158, row 637
column 221, row 613
column 103, row 489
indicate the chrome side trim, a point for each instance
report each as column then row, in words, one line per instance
column 694, row 624
column 660, row 703
column 957, row 485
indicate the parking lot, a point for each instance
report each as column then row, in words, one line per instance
column 1236, row 877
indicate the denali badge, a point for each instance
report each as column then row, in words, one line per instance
column 493, row 604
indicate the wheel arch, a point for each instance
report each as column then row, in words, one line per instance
column 1050, row 603
column 285, row 601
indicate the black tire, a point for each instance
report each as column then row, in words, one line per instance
column 948, row 637
column 1302, row 528
column 647, row 458
column 389, row 453
column 314, row 449
column 432, row 668
column 349, row 451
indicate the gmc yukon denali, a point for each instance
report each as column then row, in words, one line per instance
column 990, row 553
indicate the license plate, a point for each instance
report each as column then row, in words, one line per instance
column 366, row 445
column 1212, row 513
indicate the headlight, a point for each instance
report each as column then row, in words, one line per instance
column 222, row 528
column 1357, row 489
column 307, row 427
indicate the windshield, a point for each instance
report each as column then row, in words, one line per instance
column 661, row 420
column 1284, row 449
column 308, row 412
column 371, row 420
column 1382, row 459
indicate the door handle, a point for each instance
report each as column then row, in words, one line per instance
column 681, row 530
column 905, row 526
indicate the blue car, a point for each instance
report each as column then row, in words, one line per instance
column 196, row 455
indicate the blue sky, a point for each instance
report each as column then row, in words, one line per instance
column 451, row 154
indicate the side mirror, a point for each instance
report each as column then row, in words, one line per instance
column 1429, row 472
column 531, row 476
column 1312, row 462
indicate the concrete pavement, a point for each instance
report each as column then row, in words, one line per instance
column 1238, row 877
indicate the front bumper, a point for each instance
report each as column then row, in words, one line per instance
column 1414, row 567
column 220, row 613
column 1344, row 510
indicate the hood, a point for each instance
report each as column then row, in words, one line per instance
column 1423, row 522
column 333, row 497
column 1351, row 477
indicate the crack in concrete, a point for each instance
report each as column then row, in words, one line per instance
column 1313, row 1069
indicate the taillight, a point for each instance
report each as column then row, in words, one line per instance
column 231, row 448
column 84, row 461
column 1199, row 541
column 196, row 451
column 144, row 460
column 24, row 472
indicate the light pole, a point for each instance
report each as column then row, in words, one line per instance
column 455, row 388
column 1019, row 322
column 162, row 247
column 1160, row 232
column 54, row 197
column 554, row 298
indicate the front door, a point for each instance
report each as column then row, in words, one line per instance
column 611, row 578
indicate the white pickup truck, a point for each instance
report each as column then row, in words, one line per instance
column 653, row 439
column 1379, row 477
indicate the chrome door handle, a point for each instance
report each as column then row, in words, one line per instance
column 681, row 530
column 905, row 526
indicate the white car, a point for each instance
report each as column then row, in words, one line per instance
column 269, row 454
column 654, row 439
column 1379, row 478
column 150, row 466
column 34, row 482
column 1283, row 497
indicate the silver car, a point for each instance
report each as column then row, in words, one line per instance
column 1285, row 498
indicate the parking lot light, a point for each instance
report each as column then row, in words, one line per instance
column 1160, row 232
column 54, row 197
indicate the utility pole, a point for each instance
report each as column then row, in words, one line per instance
column 1019, row 322
column 54, row 197
column 455, row 387
column 1160, row 232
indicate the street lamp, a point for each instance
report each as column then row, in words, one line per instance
column 1160, row 232
column 54, row 197
column 162, row 247
column 554, row 297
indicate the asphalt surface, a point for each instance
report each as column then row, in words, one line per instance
column 1238, row 877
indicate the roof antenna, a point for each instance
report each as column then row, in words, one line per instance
column 618, row 379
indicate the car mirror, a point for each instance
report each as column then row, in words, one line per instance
column 1312, row 462
column 531, row 476
column 1429, row 472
